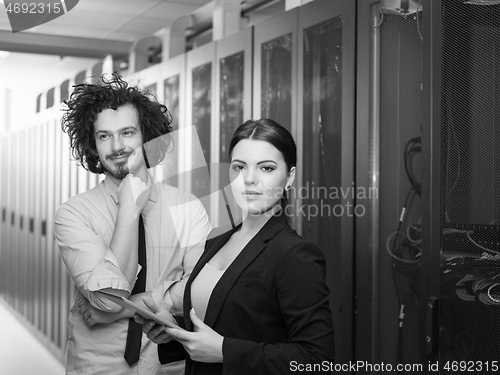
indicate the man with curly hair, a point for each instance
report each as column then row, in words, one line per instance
column 114, row 129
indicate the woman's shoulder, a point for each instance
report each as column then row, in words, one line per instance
column 295, row 257
column 289, row 243
column 290, row 235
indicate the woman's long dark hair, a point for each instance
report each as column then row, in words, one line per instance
column 269, row 131
column 88, row 100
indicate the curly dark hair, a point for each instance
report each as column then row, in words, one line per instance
column 90, row 99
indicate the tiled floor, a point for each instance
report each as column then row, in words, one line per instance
column 20, row 352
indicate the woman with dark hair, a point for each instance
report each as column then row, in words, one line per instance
column 269, row 131
column 256, row 302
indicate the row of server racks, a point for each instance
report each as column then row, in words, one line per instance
column 394, row 107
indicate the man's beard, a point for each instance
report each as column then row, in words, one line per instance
column 120, row 171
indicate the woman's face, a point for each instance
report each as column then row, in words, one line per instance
column 259, row 175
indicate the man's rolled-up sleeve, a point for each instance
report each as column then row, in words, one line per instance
column 89, row 261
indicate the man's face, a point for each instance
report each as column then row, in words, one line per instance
column 118, row 140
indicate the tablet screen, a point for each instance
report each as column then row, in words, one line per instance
column 142, row 311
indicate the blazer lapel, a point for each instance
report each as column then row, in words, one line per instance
column 246, row 256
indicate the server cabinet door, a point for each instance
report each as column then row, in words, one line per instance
column 23, row 214
column 232, row 106
column 52, row 302
column 30, row 223
column 4, row 229
column 38, row 222
column 233, row 73
column 16, row 218
column 326, row 205
column 15, row 249
column 389, row 148
column 5, row 219
column 199, row 113
column 173, row 90
column 172, row 93
column 467, row 133
column 275, row 69
column 59, row 315
column 44, row 258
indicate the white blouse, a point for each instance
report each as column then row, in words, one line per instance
column 202, row 287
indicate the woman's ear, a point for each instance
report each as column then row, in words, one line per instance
column 290, row 178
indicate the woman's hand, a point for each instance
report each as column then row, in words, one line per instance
column 153, row 330
column 202, row 345
column 93, row 316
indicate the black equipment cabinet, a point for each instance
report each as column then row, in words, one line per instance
column 427, row 124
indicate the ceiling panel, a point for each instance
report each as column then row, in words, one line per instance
column 125, row 20
column 115, row 21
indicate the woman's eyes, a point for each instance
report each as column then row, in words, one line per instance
column 265, row 168
column 268, row 168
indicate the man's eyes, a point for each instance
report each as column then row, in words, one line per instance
column 127, row 133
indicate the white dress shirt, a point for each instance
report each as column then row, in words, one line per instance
column 176, row 226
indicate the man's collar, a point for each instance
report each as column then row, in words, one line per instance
column 112, row 189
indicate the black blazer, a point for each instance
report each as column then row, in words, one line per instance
column 271, row 305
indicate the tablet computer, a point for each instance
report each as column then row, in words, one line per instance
column 137, row 309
